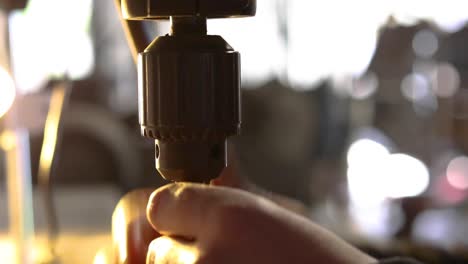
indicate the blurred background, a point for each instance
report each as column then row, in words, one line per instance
column 359, row 109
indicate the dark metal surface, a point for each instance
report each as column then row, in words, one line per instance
column 12, row 4
column 134, row 32
column 163, row 9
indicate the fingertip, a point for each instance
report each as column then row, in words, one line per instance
column 158, row 197
column 161, row 202
column 172, row 250
column 151, row 256
column 131, row 232
column 180, row 209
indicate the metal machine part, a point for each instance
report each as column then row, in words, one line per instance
column 164, row 9
column 12, row 4
column 189, row 86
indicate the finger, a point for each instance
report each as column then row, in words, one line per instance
column 179, row 209
column 131, row 231
column 171, row 250
column 184, row 209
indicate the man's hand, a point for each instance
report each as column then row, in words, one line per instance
column 206, row 224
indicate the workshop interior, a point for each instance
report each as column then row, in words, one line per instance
column 358, row 109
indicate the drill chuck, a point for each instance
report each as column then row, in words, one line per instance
column 189, row 85
column 189, row 99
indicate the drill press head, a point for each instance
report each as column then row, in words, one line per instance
column 189, row 86
column 10, row 5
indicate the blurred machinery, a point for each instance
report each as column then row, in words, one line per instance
column 9, row 5
column 14, row 142
column 189, row 85
column 190, row 104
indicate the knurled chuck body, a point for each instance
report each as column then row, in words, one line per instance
column 189, row 101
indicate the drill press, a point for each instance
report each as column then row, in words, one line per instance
column 189, row 85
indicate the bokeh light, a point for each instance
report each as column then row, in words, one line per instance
column 366, row 158
column 405, row 176
column 7, row 251
column 425, row 43
column 436, row 222
column 101, row 258
column 364, row 151
column 415, row 87
column 51, row 38
column 375, row 175
column 427, row 106
column 457, row 173
column 365, row 86
column 381, row 221
column 446, row 80
column 7, row 91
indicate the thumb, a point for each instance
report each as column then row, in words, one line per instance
column 131, row 231
column 187, row 209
